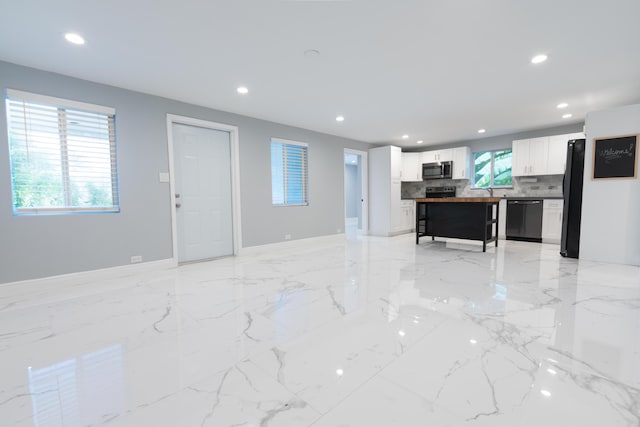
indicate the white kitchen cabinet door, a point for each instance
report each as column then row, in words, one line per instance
column 445, row 155
column 397, row 220
column 429, row 156
column 530, row 156
column 385, row 217
column 396, row 163
column 519, row 157
column 538, row 155
column 411, row 167
column 557, row 157
column 461, row 163
column 407, row 215
column 552, row 220
column 437, row 155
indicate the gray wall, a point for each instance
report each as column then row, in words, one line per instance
column 503, row 141
column 40, row 246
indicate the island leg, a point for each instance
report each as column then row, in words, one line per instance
column 497, row 222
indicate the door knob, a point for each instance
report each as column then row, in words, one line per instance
column 177, row 195
column 178, row 205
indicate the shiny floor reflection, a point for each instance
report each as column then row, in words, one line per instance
column 331, row 332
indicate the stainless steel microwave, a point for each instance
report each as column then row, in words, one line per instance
column 436, row 170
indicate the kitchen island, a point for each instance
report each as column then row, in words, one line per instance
column 470, row 218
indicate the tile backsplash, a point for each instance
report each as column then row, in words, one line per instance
column 533, row 186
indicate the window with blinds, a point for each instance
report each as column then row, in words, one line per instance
column 63, row 155
column 289, row 173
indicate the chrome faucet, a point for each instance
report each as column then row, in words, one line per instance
column 490, row 190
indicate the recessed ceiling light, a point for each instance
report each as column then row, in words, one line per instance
column 538, row 59
column 545, row 393
column 566, row 116
column 420, row 142
column 340, row 119
column 482, row 130
column 405, row 136
column 311, row 52
column 562, row 105
column 74, row 38
column 243, row 90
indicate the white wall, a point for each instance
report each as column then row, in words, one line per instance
column 610, row 229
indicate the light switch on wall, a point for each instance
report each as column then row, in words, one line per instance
column 163, row 176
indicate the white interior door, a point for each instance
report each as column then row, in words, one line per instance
column 204, row 211
column 355, row 191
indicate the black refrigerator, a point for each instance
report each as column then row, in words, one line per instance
column 572, row 192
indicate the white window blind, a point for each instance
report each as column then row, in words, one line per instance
column 63, row 155
column 289, row 173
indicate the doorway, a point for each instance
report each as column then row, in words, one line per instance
column 205, row 202
column 355, row 192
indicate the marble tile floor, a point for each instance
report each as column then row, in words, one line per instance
column 331, row 332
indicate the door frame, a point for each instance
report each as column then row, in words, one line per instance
column 235, row 176
column 365, row 187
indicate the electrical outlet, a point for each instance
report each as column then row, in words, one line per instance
column 136, row 259
column 287, row 237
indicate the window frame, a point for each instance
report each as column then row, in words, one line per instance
column 493, row 154
column 64, row 107
column 305, row 181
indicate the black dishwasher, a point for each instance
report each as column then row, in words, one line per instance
column 524, row 220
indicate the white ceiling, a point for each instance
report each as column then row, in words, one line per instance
column 435, row 70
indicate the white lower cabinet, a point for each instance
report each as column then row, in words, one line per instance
column 407, row 215
column 552, row 220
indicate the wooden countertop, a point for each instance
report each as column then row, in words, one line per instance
column 460, row 200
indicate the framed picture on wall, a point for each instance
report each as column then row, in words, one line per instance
column 615, row 157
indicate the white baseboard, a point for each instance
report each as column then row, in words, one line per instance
column 292, row 244
column 16, row 293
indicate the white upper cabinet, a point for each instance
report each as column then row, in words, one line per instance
column 445, row 155
column 557, row 157
column 461, row 163
column 428, row 156
column 530, row 156
column 437, row 155
column 396, row 163
column 520, row 157
column 546, row 155
column 538, row 155
column 411, row 167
